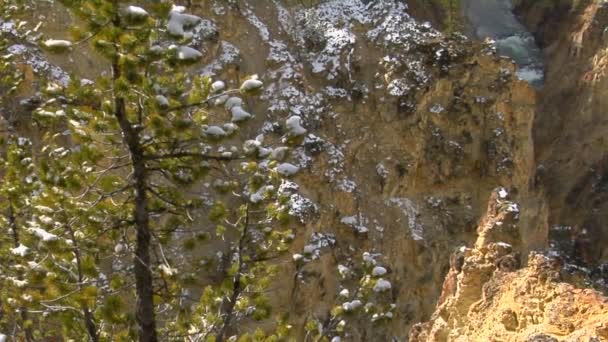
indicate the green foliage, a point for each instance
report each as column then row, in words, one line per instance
column 16, row 282
column 365, row 298
column 10, row 76
column 123, row 177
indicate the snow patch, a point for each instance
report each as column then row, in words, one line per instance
column 410, row 210
column 299, row 206
column 136, row 12
column 179, row 23
column 287, row 169
column 378, row 271
column 382, row 285
column 20, row 250
column 57, row 43
column 43, row 234
column 358, row 223
column 294, row 126
column 186, row 53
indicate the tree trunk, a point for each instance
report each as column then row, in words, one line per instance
column 145, row 314
column 89, row 320
column 90, row 324
column 228, row 309
column 12, row 221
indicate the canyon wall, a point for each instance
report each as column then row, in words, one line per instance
column 570, row 124
column 487, row 295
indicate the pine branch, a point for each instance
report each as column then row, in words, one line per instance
column 93, row 34
column 164, row 199
column 179, row 155
column 202, row 103
column 236, row 283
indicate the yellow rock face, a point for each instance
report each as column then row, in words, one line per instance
column 486, row 297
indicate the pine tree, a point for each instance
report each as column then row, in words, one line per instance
column 45, row 269
column 120, row 161
column 17, row 187
column 14, row 191
column 365, row 301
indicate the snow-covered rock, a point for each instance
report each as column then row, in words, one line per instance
column 230, row 128
column 179, row 23
column 378, row 271
column 287, row 169
column 294, row 126
column 251, row 85
column 382, row 285
column 186, row 53
column 239, row 114
column 279, row 153
column 136, row 12
column 215, row 132
column 233, row 102
column 218, row 86
column 355, row 222
column 351, row 306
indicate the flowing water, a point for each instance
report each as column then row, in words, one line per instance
column 494, row 19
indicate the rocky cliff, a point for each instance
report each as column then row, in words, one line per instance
column 488, row 297
column 570, row 124
column 408, row 134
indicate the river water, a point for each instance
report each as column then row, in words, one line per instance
column 495, row 19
